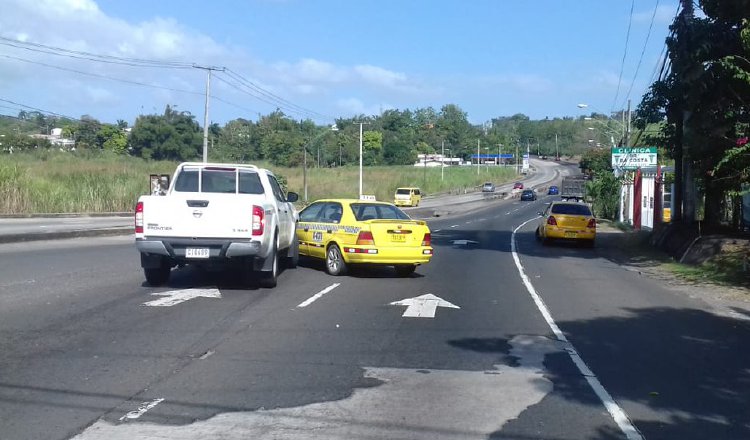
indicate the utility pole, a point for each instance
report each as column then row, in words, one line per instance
column 442, row 161
column 304, row 171
column 499, row 153
column 627, row 128
column 208, row 70
column 557, row 149
column 478, row 156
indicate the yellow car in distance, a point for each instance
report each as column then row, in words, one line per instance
column 346, row 232
column 567, row 221
column 407, row 197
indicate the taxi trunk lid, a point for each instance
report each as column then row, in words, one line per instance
column 398, row 233
column 571, row 221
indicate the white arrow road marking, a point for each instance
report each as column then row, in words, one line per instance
column 423, row 306
column 174, row 297
column 318, row 295
column 464, row 242
column 145, row 406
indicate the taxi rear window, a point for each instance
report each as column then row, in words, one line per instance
column 377, row 211
column 570, row 209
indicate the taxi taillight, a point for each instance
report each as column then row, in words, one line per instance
column 139, row 218
column 427, row 240
column 592, row 224
column 552, row 221
column 259, row 221
column 365, row 238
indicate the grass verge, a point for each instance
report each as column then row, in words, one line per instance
column 55, row 182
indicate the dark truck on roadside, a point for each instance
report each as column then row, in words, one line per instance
column 573, row 188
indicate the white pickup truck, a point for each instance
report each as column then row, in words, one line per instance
column 218, row 214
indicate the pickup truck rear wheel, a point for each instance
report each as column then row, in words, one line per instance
column 292, row 254
column 157, row 276
column 269, row 279
column 335, row 264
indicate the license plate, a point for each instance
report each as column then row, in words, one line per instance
column 398, row 238
column 196, row 253
column 571, row 234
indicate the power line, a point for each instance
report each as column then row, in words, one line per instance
column 126, row 81
column 38, row 109
column 267, row 97
column 240, row 83
column 643, row 51
column 89, row 56
column 624, row 56
column 277, row 99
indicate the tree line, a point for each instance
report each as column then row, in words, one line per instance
column 394, row 137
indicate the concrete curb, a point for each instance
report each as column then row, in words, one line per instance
column 69, row 215
column 37, row 236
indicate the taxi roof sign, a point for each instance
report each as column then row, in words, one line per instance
column 368, row 197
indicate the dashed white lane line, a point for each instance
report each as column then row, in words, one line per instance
column 437, row 230
column 454, row 226
column 318, row 295
column 145, row 406
column 618, row 414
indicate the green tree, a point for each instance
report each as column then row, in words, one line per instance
column 171, row 136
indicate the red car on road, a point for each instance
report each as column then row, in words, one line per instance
column 518, row 185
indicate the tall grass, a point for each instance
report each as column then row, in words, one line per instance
column 382, row 181
column 57, row 182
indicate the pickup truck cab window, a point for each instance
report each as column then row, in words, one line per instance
column 219, row 181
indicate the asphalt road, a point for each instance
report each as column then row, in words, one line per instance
column 82, row 356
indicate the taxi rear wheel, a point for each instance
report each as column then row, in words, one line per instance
column 335, row 264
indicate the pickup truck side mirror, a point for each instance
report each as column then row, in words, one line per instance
column 292, row 197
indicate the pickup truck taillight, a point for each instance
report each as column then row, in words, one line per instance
column 259, row 220
column 139, row 218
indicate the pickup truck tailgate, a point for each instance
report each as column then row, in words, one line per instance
column 188, row 215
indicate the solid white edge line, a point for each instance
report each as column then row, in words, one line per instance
column 318, row 295
column 145, row 406
column 617, row 413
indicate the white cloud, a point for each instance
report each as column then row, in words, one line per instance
column 82, row 25
column 380, row 76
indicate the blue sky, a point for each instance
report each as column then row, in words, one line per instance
column 334, row 58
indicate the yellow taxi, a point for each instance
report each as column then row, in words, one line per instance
column 407, row 197
column 568, row 221
column 344, row 232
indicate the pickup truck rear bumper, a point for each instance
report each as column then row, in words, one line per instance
column 218, row 248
